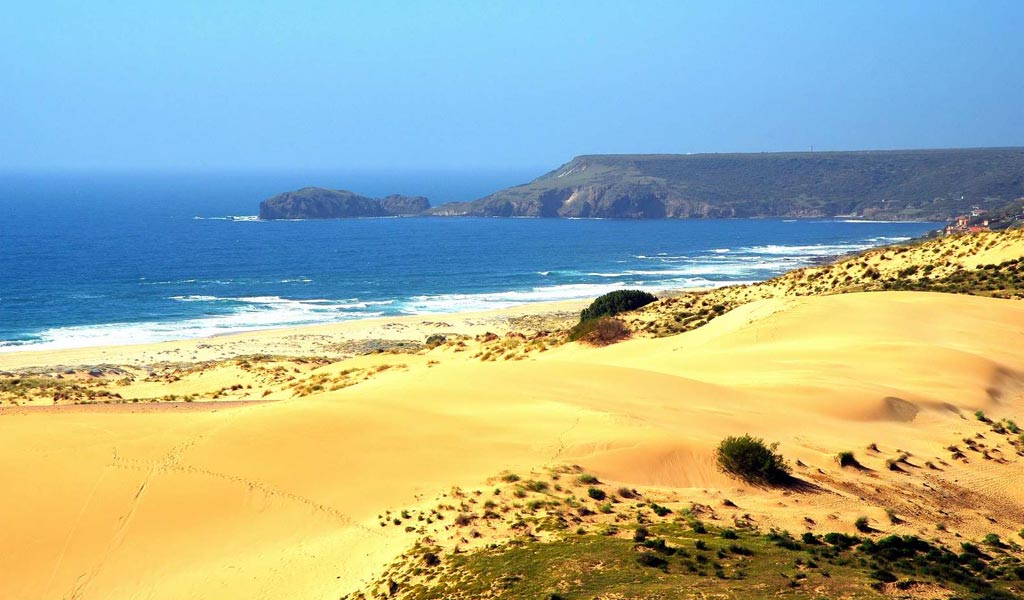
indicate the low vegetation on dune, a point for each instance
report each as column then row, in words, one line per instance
column 752, row 460
column 569, row 534
column 983, row 264
column 600, row 331
column 674, row 559
column 597, row 324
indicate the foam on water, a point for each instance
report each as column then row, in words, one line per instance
column 251, row 314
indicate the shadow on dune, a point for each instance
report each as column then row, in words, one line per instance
column 795, row 484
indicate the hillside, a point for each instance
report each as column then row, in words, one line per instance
column 903, row 184
column 320, row 203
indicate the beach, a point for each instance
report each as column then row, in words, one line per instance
column 319, row 470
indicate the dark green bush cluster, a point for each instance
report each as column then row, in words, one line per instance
column 752, row 460
column 616, row 302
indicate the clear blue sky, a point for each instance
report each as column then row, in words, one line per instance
column 492, row 84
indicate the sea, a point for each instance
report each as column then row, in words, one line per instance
column 104, row 258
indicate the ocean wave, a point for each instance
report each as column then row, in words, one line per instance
column 142, row 281
column 253, row 314
column 807, row 250
column 887, row 239
column 243, row 218
column 196, row 298
column 278, row 301
column 446, row 303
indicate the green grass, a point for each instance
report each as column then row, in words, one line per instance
column 667, row 563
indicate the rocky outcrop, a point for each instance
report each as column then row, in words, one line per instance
column 397, row 205
column 321, row 203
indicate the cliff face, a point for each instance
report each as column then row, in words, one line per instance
column 913, row 184
column 320, row 203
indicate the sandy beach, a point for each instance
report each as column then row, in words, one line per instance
column 325, row 471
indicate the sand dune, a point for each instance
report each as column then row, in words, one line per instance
column 282, row 499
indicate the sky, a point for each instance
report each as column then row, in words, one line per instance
column 490, row 85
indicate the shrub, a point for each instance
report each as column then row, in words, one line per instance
column 537, row 486
column 846, row 459
column 640, row 534
column 599, row 332
column 752, row 460
column 596, row 493
column 650, row 559
column 841, row 540
column 862, row 525
column 435, row 339
column 729, row 534
column 809, row 538
column 616, row 302
column 660, row 510
column 588, row 479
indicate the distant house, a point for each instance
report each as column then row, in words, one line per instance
column 962, row 224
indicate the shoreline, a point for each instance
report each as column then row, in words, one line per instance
column 376, row 328
column 341, row 339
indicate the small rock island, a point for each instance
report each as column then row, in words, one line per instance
column 322, row 203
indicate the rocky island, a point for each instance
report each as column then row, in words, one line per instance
column 892, row 185
column 321, row 203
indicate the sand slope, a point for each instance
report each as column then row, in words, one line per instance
column 281, row 499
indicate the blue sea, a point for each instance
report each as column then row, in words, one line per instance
column 115, row 258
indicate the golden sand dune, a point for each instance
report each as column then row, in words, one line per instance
column 283, row 499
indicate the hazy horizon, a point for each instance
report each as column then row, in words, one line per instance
column 508, row 86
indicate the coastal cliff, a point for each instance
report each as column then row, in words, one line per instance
column 321, row 203
column 922, row 185
column 892, row 185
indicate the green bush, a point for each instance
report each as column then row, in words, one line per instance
column 846, row 459
column 752, row 460
column 650, row 559
column 616, row 302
